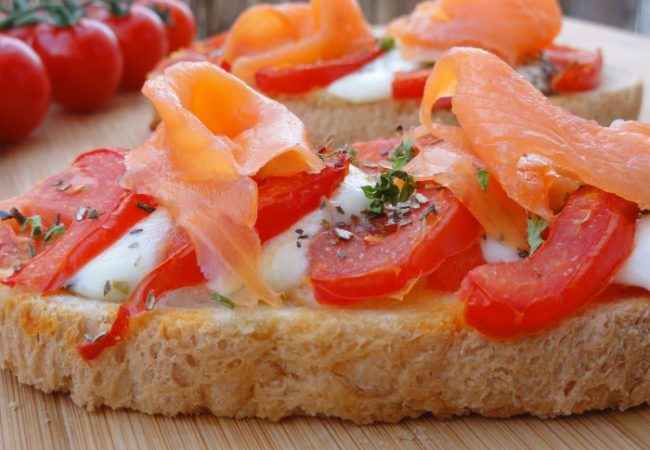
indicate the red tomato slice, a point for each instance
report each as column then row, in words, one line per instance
column 305, row 77
column 181, row 269
column 449, row 276
column 382, row 262
column 370, row 154
column 410, row 84
column 91, row 181
column 574, row 70
column 52, row 269
column 590, row 240
column 282, row 202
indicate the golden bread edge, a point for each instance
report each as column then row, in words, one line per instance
column 357, row 364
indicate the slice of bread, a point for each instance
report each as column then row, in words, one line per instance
column 364, row 365
column 618, row 97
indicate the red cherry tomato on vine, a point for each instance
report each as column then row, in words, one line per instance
column 142, row 39
column 24, row 89
column 83, row 62
column 179, row 21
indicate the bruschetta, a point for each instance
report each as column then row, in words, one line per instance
column 496, row 266
column 347, row 80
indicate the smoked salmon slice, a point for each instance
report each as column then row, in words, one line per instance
column 513, row 29
column 216, row 133
column 538, row 152
column 456, row 168
column 291, row 34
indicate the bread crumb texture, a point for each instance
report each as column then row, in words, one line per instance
column 619, row 97
column 361, row 365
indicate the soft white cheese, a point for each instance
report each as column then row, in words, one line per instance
column 495, row 250
column 373, row 81
column 283, row 264
column 636, row 270
column 126, row 262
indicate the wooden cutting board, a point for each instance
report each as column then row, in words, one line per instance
column 32, row 420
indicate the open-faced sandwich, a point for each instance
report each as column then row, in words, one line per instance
column 325, row 63
column 498, row 266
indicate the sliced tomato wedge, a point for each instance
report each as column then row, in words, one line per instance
column 282, row 201
column 382, row 261
column 92, row 206
column 574, row 70
column 306, row 77
column 590, row 240
column 180, row 269
column 449, row 276
column 91, row 181
column 51, row 269
column 409, row 84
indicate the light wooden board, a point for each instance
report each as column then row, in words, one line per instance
column 32, row 420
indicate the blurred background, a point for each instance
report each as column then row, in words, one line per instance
column 632, row 15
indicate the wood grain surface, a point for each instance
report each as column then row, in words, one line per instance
column 32, row 420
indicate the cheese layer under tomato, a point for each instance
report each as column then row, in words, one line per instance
column 216, row 133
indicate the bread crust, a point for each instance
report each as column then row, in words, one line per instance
column 357, row 364
column 618, row 97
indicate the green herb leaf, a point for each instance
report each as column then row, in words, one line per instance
column 402, row 154
column 387, row 188
column 387, row 43
column 482, row 178
column 225, row 301
column 55, row 230
column 36, row 224
column 536, row 226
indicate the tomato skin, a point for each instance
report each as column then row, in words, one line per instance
column 575, row 70
column 591, row 238
column 284, row 200
column 449, row 276
column 384, row 265
column 180, row 269
column 24, row 89
column 409, row 84
column 306, row 77
column 83, row 239
column 181, row 26
column 25, row 33
column 142, row 40
column 83, row 63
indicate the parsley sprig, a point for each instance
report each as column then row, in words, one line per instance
column 395, row 185
column 536, row 226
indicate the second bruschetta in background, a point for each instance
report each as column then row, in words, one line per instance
column 326, row 64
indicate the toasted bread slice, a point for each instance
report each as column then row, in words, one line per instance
column 364, row 365
column 618, row 97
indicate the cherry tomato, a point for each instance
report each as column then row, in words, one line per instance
column 380, row 261
column 83, row 62
column 591, row 238
column 24, row 89
column 305, row 77
column 24, row 33
column 178, row 19
column 142, row 39
column 574, row 70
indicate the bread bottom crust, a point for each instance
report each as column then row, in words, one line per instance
column 361, row 365
column 618, row 97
